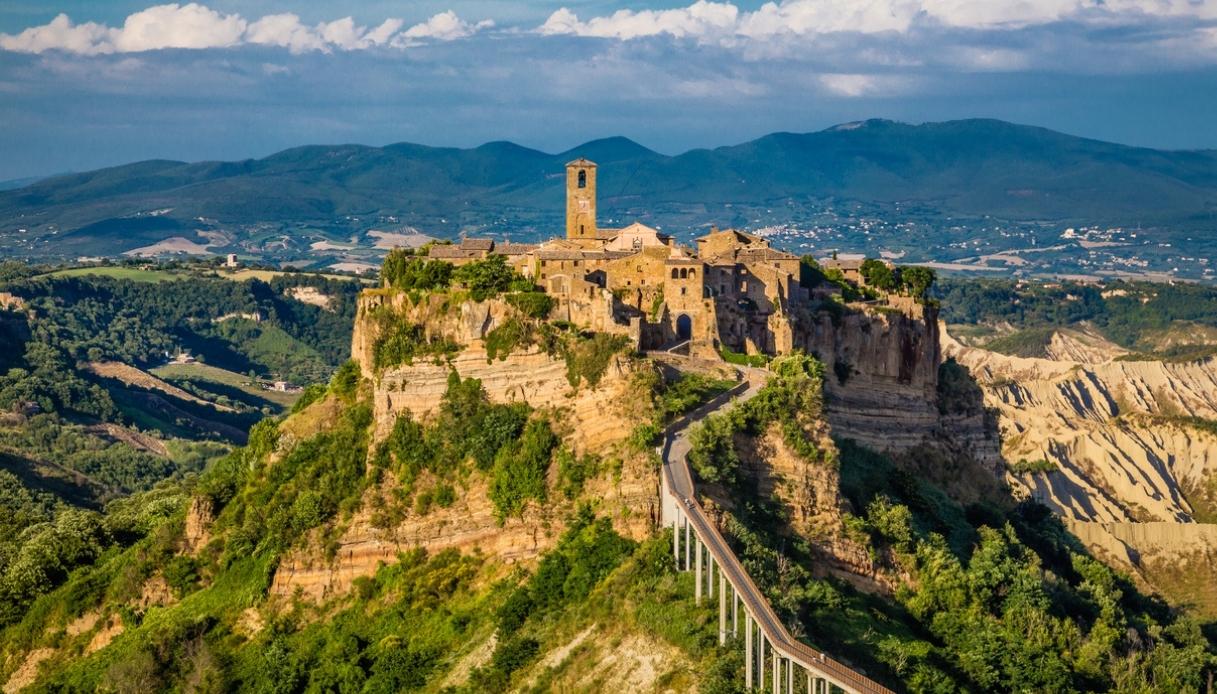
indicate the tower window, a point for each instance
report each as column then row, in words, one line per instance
column 582, row 179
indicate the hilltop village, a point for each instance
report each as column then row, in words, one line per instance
column 733, row 291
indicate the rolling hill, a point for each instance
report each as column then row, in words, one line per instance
column 969, row 167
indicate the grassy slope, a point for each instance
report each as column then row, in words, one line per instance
column 206, row 373
column 123, row 273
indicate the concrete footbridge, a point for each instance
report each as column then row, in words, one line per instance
column 698, row 546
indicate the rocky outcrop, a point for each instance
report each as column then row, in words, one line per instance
column 630, row 499
column 882, row 378
column 1176, row 559
column 463, row 323
column 1114, row 436
column 811, row 492
column 596, row 420
column 199, row 518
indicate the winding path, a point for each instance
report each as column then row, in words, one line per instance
column 682, row 511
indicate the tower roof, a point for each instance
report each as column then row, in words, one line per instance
column 582, row 161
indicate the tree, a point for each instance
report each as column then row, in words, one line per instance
column 877, row 274
column 918, row 280
column 489, row 277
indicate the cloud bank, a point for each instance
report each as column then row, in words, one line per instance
column 1190, row 25
column 198, row 27
column 719, row 20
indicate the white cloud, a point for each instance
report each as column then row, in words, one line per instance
column 178, row 26
column 709, row 20
column 700, row 19
column 284, row 30
column 60, row 33
column 445, row 26
column 197, row 26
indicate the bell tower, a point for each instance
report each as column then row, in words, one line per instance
column 581, row 199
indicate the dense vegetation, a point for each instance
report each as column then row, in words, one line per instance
column 95, row 318
column 76, row 443
column 998, row 596
column 507, row 442
column 1154, row 320
column 396, row 631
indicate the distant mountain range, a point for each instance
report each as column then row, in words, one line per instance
column 935, row 170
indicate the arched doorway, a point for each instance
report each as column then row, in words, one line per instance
column 684, row 327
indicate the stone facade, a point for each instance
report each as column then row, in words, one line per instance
column 733, row 290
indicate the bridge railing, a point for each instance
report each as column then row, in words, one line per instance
column 755, row 603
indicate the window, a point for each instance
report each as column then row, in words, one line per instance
column 582, row 178
column 684, row 290
column 692, row 272
column 675, row 273
column 581, row 226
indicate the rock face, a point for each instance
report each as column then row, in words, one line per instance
column 596, row 420
column 199, row 518
column 1177, row 559
column 596, row 416
column 1111, row 431
column 882, row 373
column 464, row 323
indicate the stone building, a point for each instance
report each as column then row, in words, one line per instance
column 733, row 290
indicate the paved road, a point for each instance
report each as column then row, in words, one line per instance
column 680, row 480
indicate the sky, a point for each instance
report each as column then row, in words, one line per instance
column 92, row 83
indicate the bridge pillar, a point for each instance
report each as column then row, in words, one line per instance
column 760, row 662
column 709, row 574
column 777, row 673
column 748, row 655
column 789, row 677
column 734, row 613
column 676, row 540
column 688, row 564
column 697, row 573
column 722, row 612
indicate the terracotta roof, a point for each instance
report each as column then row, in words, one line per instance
column 509, row 248
column 562, row 254
column 453, row 252
column 736, row 256
column 740, row 235
column 477, row 244
column 582, row 161
column 846, row 264
column 755, row 254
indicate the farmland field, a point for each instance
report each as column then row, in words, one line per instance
column 204, row 373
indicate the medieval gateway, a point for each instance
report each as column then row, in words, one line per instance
column 732, row 291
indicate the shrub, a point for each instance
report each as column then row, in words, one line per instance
column 489, row 277
column 588, row 358
column 406, row 271
column 346, row 379
column 399, row 343
column 519, row 470
column 532, row 304
column 512, row 334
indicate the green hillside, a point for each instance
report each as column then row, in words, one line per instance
column 971, row 167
